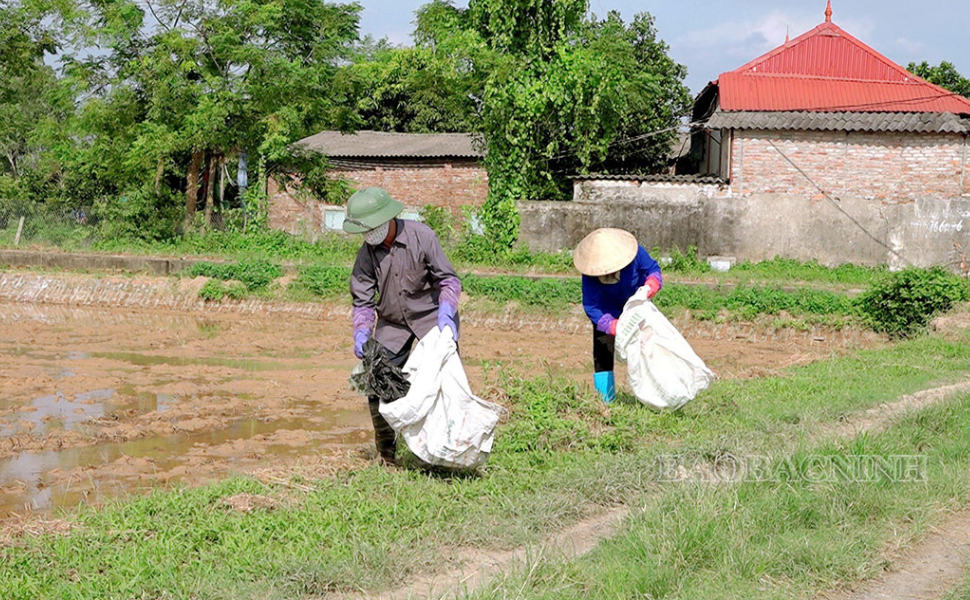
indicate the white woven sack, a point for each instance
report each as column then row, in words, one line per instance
column 662, row 369
column 440, row 419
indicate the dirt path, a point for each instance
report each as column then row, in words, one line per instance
column 879, row 417
column 477, row 567
column 932, row 568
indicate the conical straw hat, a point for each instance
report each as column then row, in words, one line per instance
column 605, row 251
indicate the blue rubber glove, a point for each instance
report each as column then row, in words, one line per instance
column 446, row 318
column 360, row 338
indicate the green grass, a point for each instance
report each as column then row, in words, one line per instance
column 787, row 269
column 558, row 455
column 254, row 275
column 319, row 282
column 742, row 302
column 962, row 591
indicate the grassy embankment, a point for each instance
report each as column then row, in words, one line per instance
column 554, row 296
column 339, row 250
column 559, row 456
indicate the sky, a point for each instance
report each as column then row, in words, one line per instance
column 711, row 37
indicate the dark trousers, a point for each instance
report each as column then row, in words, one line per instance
column 602, row 351
column 384, row 433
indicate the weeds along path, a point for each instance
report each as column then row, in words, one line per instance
column 928, row 571
column 476, row 567
column 935, row 566
column 879, row 417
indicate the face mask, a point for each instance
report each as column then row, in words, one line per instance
column 377, row 235
column 610, row 278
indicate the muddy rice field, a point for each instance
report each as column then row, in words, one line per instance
column 98, row 403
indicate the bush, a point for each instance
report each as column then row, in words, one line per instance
column 255, row 275
column 685, row 263
column 214, row 291
column 323, row 282
column 904, row 302
column 140, row 215
column 549, row 293
column 441, row 221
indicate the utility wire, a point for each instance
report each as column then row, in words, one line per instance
column 838, row 206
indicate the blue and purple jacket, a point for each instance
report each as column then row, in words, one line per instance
column 603, row 302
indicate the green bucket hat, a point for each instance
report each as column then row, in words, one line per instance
column 370, row 208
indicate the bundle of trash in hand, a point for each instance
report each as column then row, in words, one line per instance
column 376, row 376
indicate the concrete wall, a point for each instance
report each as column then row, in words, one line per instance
column 451, row 184
column 755, row 226
column 909, row 191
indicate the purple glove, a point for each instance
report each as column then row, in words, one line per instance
column 360, row 338
column 448, row 304
column 446, row 318
column 363, row 322
column 607, row 324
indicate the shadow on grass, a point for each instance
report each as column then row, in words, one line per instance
column 408, row 461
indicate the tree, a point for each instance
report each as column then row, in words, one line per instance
column 192, row 81
column 944, row 75
column 413, row 90
column 561, row 94
column 32, row 104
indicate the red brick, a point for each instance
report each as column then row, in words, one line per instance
column 897, row 167
column 416, row 184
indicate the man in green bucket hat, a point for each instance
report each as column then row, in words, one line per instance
column 402, row 287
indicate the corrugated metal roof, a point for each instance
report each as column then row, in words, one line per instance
column 402, row 145
column 827, row 69
column 840, row 121
column 652, row 178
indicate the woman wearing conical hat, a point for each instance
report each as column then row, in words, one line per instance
column 614, row 267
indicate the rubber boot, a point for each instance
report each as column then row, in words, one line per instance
column 605, row 385
column 384, row 436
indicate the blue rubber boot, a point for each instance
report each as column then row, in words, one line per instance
column 605, row 385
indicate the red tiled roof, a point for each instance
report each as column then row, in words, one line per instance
column 826, row 69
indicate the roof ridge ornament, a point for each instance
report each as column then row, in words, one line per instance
column 828, row 12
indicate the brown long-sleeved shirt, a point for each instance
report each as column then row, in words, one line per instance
column 403, row 283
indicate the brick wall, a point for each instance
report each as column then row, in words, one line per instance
column 889, row 167
column 450, row 184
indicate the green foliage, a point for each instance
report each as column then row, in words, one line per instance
column 794, row 270
column 476, row 250
column 215, row 291
column 441, row 221
column 557, row 91
column 686, row 263
column 139, row 214
column 568, row 419
column 265, row 244
column 745, row 302
column 414, row 90
column 212, row 80
column 904, row 302
column 321, row 282
column 254, row 275
column 944, row 75
column 181, row 90
column 551, row 293
column 309, row 175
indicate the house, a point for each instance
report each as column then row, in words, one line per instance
column 821, row 148
column 418, row 169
